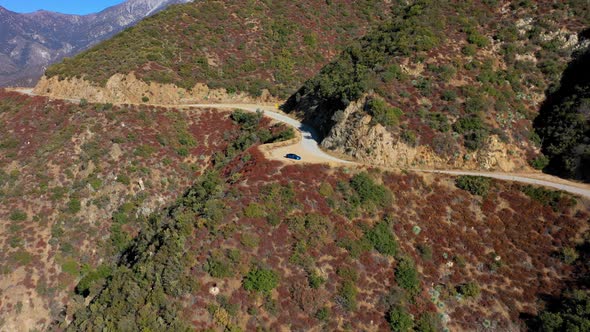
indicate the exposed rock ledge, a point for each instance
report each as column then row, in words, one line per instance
column 129, row 89
column 354, row 135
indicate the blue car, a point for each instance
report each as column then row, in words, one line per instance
column 292, row 156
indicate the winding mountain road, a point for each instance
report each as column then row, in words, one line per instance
column 310, row 151
column 307, row 147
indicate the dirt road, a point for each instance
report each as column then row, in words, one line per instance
column 310, row 151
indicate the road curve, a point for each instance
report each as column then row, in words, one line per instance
column 307, row 146
column 309, row 149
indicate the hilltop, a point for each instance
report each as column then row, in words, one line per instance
column 32, row 41
column 446, row 84
column 240, row 46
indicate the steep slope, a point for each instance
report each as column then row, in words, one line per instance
column 31, row 42
column 75, row 181
column 242, row 45
column 93, row 237
column 445, row 84
column 261, row 245
column 563, row 123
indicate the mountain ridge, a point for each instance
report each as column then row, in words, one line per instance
column 30, row 42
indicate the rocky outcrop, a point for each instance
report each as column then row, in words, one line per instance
column 355, row 135
column 129, row 89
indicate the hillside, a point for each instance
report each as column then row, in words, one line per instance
column 306, row 247
column 118, row 215
column 237, row 45
column 446, row 84
column 30, row 42
column 110, row 221
column 76, row 181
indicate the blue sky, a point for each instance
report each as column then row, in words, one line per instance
column 61, row 6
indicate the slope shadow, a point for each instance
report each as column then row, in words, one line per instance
column 566, row 137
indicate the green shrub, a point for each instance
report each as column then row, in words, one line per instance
column 476, row 185
column 221, row 264
column 22, row 257
column 475, row 140
column 315, row 280
column 399, row 320
column 144, row 151
column 544, row 196
column 261, row 280
column 469, row 123
column 382, row 113
column 15, row 242
column 540, row 162
column 74, row 206
column 182, row 151
column 348, row 293
column 245, row 119
column 428, row 322
column 569, row 255
column 425, row 252
column 124, row 179
column 323, row 314
column 347, row 273
column 478, row 39
column 273, row 219
column 393, row 72
column 449, row 95
column 470, row 289
column 382, row 239
column 475, row 104
column 18, row 215
column 95, row 183
column 409, row 137
column 406, row 276
column 92, row 278
column 438, row 121
column 369, row 191
column 249, row 240
column 254, row 210
column 326, row 189
column 284, row 135
column 70, row 267
column 469, row 50
column 355, row 247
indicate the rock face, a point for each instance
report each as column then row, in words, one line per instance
column 355, row 135
column 128, row 89
column 30, row 42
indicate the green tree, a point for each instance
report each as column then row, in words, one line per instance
column 470, row 289
column 399, row 320
column 260, row 280
column 476, row 185
column 406, row 276
column 382, row 239
column 369, row 191
column 573, row 314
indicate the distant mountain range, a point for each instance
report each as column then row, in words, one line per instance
column 30, row 42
